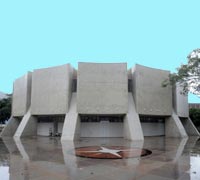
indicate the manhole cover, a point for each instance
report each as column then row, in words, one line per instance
column 110, row 152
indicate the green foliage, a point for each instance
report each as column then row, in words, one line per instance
column 188, row 75
column 5, row 109
column 195, row 116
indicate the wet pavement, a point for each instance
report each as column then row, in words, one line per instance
column 44, row 158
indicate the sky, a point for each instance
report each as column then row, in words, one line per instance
column 43, row 33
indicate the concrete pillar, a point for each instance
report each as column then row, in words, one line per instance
column 27, row 127
column 71, row 127
column 174, row 127
column 132, row 125
column 11, row 127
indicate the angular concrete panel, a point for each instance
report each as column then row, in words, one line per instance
column 11, row 127
column 180, row 101
column 71, row 127
column 149, row 95
column 190, row 127
column 27, row 126
column 51, row 90
column 102, row 88
column 132, row 125
column 21, row 95
column 174, row 127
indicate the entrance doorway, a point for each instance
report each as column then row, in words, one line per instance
column 101, row 126
column 50, row 125
column 153, row 125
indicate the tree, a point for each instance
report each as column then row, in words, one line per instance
column 188, row 75
column 195, row 116
column 5, row 109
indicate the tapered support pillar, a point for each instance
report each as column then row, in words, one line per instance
column 190, row 128
column 11, row 127
column 27, row 127
column 71, row 127
column 132, row 125
column 174, row 127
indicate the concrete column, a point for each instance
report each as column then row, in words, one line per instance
column 27, row 127
column 71, row 127
column 132, row 125
column 174, row 127
column 11, row 127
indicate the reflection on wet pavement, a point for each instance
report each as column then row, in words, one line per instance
column 43, row 158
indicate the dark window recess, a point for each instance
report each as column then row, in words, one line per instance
column 129, row 85
column 183, row 118
column 46, row 119
column 74, row 85
column 152, row 119
column 97, row 118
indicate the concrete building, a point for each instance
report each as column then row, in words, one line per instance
column 98, row 100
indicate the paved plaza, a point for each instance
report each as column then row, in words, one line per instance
column 44, row 158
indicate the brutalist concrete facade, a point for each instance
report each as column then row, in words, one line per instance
column 21, row 95
column 102, row 88
column 98, row 100
column 51, row 90
column 149, row 95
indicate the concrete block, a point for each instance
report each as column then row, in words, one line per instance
column 51, row 90
column 21, row 95
column 102, row 88
column 149, row 95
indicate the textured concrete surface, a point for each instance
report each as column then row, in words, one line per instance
column 11, row 127
column 132, row 125
column 21, row 95
column 180, row 102
column 174, row 127
column 51, row 90
column 149, row 95
column 48, row 159
column 71, row 127
column 102, row 88
column 27, row 126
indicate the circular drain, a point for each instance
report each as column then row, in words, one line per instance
column 110, row 152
